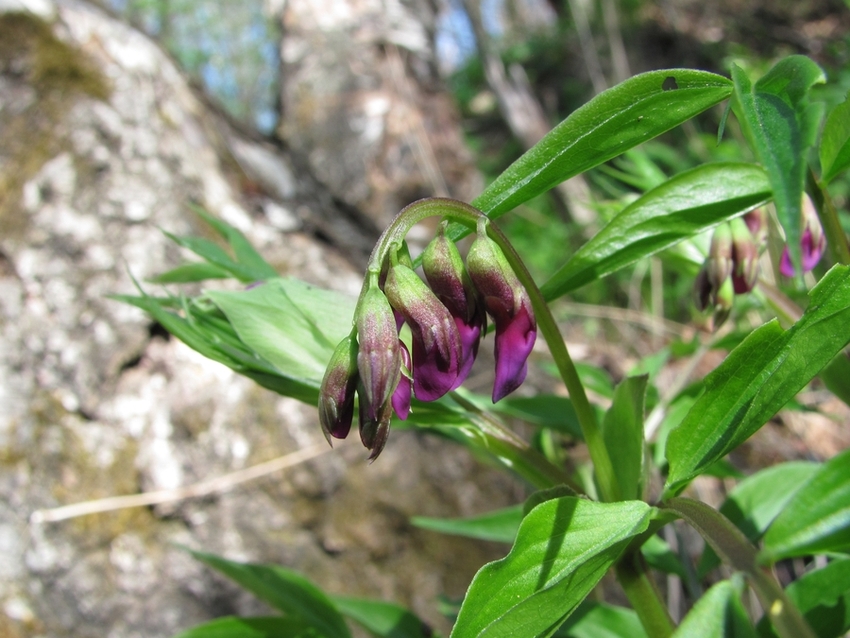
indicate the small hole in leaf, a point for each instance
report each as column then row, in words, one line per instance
column 669, row 83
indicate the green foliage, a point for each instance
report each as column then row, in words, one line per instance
column 587, row 519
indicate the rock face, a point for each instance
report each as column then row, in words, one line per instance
column 102, row 144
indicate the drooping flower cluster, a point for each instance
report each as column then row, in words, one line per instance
column 732, row 266
column 447, row 318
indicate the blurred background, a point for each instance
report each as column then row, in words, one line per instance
column 308, row 124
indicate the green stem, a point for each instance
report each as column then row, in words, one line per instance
column 633, row 575
column 733, row 548
column 835, row 236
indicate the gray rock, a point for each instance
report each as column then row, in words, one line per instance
column 102, row 144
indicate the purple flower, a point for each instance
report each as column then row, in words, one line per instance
column 436, row 342
column 336, row 395
column 379, row 356
column 812, row 241
column 447, row 276
column 507, row 301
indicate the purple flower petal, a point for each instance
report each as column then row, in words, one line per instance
column 514, row 342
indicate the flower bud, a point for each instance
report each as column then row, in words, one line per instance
column 374, row 424
column 447, row 276
column 756, row 221
column 812, row 241
column 507, row 301
column 719, row 265
column 436, row 341
column 723, row 300
column 379, row 356
column 336, row 395
column 745, row 257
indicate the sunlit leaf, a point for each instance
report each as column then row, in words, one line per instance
column 262, row 627
column 289, row 323
column 622, row 430
column 499, row 525
column 823, row 596
column 614, row 121
column 682, row 207
column 598, row 620
column 717, row 614
column 386, row 620
column 759, row 377
column 564, row 546
column 284, row 590
column 191, row 272
column 817, row 518
column 753, row 504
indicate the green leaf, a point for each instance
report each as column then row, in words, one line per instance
column 759, row 377
column 217, row 256
column 618, row 119
column 598, row 620
column 564, row 546
column 823, row 596
column 781, row 126
column 717, row 614
column 836, row 377
column 499, row 525
column 753, row 504
column 284, row 590
column 622, row 430
column 289, row 323
column 682, row 207
column 245, row 253
column 817, row 518
column 262, row 627
column 835, row 142
column 544, row 410
column 386, row 620
column 191, row 272
column 659, row 556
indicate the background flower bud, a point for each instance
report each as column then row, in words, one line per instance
column 745, row 257
column 812, row 241
column 379, row 356
column 336, row 395
column 719, row 265
column 436, row 341
column 401, row 397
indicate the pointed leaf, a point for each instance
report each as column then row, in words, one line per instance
column 682, row 207
column 717, row 614
column 817, row 519
column 754, row 502
column 262, row 627
column 758, row 378
column 564, row 546
column 781, row 126
column 622, row 430
column 835, row 142
column 598, row 620
column 382, row 619
column 284, row 590
column 289, row 323
column 618, row 119
column 245, row 253
column 824, row 598
column 499, row 525
column 191, row 272
column 218, row 256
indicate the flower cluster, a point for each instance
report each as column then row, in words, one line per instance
column 732, row 266
column 447, row 318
